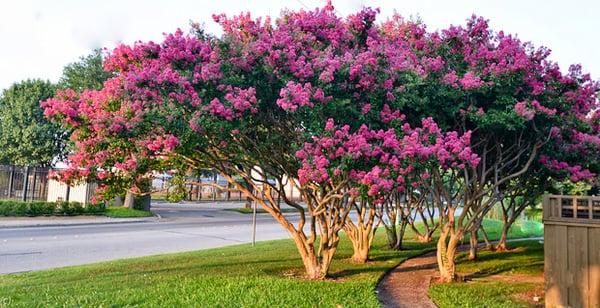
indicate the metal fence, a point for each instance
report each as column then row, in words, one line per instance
column 160, row 185
column 23, row 183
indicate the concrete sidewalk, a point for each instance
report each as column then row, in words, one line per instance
column 56, row 221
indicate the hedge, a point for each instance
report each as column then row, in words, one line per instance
column 41, row 208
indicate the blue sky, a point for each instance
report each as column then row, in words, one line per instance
column 40, row 37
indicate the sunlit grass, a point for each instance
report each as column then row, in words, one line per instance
column 123, row 212
column 497, row 278
column 268, row 275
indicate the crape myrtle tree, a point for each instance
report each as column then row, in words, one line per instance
column 519, row 194
column 374, row 165
column 521, row 109
column 245, row 104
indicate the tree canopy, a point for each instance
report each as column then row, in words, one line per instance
column 86, row 74
column 27, row 138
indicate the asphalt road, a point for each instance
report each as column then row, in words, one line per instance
column 181, row 228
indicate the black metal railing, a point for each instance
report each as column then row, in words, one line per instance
column 23, row 183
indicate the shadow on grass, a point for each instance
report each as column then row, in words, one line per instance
column 528, row 258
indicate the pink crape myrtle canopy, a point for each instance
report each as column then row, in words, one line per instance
column 378, row 161
column 319, row 97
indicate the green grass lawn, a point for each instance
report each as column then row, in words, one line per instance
column 519, row 229
column 123, row 212
column 244, row 210
column 268, row 275
column 534, row 214
column 499, row 279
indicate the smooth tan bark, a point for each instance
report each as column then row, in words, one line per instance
column 425, row 238
column 129, row 200
column 473, row 246
column 501, row 246
column 361, row 244
column 361, row 233
column 446, row 254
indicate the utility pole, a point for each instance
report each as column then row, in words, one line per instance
column 254, row 224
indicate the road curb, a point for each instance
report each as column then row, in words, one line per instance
column 79, row 224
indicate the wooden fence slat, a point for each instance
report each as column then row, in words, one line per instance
column 551, row 275
column 594, row 266
column 557, row 264
column 559, row 207
column 578, row 266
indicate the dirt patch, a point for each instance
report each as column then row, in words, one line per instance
column 533, row 297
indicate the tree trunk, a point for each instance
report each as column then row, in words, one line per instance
column 326, row 258
column 446, row 254
column 129, row 200
column 361, row 253
column 486, row 239
column 361, row 243
column 316, row 262
column 400, row 237
column 392, row 236
column 473, row 246
column 425, row 238
column 316, row 267
column 501, row 246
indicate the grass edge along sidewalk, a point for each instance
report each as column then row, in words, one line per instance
column 269, row 274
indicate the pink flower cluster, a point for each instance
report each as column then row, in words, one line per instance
column 522, row 110
column 540, row 108
column 576, row 173
column 387, row 115
column 128, row 165
column 381, row 160
column 471, row 81
column 296, row 95
column 166, row 143
column 63, row 105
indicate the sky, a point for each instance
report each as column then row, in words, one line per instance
column 38, row 38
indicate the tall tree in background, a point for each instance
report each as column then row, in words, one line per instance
column 86, row 74
column 26, row 136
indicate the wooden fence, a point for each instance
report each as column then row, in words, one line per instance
column 572, row 251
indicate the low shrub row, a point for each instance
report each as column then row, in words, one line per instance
column 41, row 208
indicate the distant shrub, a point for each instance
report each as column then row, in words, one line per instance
column 95, row 208
column 42, row 208
column 39, row 208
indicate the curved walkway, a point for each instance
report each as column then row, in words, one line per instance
column 407, row 285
